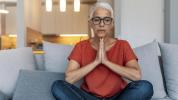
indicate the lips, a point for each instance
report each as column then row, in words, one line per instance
column 101, row 31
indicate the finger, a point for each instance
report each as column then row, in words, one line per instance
column 101, row 42
column 101, row 48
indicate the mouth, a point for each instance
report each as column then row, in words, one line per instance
column 101, row 33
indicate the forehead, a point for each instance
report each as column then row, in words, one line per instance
column 102, row 12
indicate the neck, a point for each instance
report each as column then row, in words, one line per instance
column 96, row 40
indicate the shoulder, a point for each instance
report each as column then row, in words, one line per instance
column 123, row 42
column 82, row 44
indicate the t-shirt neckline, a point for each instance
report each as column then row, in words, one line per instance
column 107, row 50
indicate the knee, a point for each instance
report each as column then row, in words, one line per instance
column 145, row 87
column 57, row 85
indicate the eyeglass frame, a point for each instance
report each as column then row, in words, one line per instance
column 101, row 20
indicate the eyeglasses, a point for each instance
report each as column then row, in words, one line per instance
column 97, row 20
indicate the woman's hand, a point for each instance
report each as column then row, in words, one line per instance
column 101, row 54
column 98, row 59
column 103, row 51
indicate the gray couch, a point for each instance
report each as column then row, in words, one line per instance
column 35, row 84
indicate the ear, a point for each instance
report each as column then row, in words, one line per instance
column 90, row 23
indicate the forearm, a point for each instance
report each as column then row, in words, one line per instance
column 126, row 72
column 76, row 75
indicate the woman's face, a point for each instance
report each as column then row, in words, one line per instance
column 101, row 23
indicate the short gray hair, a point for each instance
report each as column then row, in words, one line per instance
column 101, row 4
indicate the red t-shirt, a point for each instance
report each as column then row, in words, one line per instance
column 101, row 81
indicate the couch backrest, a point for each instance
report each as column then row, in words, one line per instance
column 39, row 58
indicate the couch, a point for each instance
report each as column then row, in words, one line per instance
column 28, row 76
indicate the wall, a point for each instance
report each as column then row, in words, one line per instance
column 11, row 24
column 68, row 22
column 33, row 14
column 171, row 21
column 28, row 15
column 141, row 21
column 0, row 25
column 174, row 21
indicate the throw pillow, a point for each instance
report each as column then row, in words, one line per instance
column 56, row 56
column 11, row 61
column 150, row 67
column 170, row 66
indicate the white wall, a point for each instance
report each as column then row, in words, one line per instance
column 28, row 15
column 0, row 25
column 68, row 22
column 141, row 21
column 173, row 21
column 11, row 22
column 33, row 14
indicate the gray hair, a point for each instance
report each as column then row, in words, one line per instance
column 100, row 4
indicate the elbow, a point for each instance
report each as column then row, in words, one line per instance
column 137, row 76
column 68, row 78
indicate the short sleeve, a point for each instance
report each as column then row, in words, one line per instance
column 128, row 53
column 76, row 53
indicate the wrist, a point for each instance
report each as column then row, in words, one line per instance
column 96, row 62
column 106, row 62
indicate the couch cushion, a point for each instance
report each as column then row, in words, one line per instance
column 3, row 96
column 161, row 98
column 56, row 56
column 36, row 85
column 169, row 53
column 150, row 67
column 11, row 61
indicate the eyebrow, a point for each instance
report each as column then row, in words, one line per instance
column 102, row 16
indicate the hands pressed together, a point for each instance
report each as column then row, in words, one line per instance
column 101, row 57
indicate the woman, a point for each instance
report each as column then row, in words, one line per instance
column 103, row 62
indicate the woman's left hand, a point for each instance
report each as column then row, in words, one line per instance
column 103, row 51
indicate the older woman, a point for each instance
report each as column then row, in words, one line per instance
column 103, row 62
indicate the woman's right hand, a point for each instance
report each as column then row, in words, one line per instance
column 98, row 59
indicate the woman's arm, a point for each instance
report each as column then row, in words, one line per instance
column 74, row 72
column 130, row 71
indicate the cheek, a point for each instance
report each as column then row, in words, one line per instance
column 109, row 28
column 95, row 28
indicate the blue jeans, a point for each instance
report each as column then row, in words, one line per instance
column 136, row 90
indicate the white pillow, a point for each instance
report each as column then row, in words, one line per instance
column 169, row 54
column 56, row 56
column 150, row 67
column 11, row 61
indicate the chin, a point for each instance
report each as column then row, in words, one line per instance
column 101, row 35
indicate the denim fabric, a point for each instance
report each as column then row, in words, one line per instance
column 136, row 90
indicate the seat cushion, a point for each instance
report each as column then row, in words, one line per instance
column 55, row 56
column 36, row 85
column 150, row 67
column 11, row 61
column 3, row 96
column 169, row 54
column 161, row 99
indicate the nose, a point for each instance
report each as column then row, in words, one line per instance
column 101, row 23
